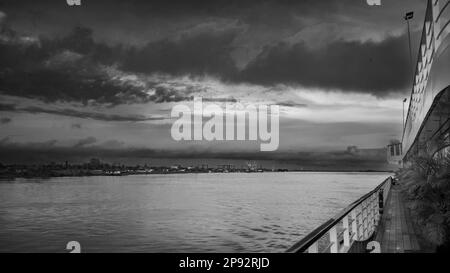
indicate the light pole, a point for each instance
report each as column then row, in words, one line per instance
column 403, row 120
column 408, row 16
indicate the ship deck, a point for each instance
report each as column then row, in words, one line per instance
column 396, row 233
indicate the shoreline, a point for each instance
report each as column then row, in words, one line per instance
column 5, row 178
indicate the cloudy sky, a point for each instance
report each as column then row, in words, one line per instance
column 104, row 76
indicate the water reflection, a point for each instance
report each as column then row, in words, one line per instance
column 173, row 213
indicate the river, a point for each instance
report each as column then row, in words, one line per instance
column 229, row 212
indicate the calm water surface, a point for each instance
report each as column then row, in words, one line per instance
column 256, row 212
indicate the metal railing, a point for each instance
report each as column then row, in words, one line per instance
column 357, row 222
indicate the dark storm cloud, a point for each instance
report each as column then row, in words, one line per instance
column 45, row 72
column 192, row 53
column 166, row 94
column 52, row 86
column 205, row 35
column 292, row 104
column 76, row 126
column 6, row 107
column 72, row 68
column 220, row 100
column 77, row 113
column 85, row 141
column 267, row 11
column 64, row 69
column 5, row 120
column 30, row 70
column 374, row 67
column 7, row 143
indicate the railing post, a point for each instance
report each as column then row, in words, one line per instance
column 346, row 231
column 334, row 240
column 372, row 214
column 368, row 225
column 369, row 217
column 360, row 222
column 354, row 225
column 377, row 207
column 314, row 248
column 386, row 191
column 365, row 220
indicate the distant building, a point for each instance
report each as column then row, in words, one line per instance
column 394, row 154
column 252, row 166
column 94, row 163
column 352, row 150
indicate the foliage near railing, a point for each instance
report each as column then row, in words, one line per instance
column 426, row 185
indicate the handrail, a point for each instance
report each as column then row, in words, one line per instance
column 441, row 12
column 314, row 236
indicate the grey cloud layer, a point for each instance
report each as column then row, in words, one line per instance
column 31, row 71
column 5, row 120
column 69, row 67
column 373, row 67
column 76, row 113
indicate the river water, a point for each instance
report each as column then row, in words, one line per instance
column 230, row 212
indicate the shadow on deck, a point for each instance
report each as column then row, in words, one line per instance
column 396, row 233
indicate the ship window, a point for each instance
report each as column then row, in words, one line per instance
column 392, row 150
column 397, row 149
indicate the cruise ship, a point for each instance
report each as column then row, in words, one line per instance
column 378, row 221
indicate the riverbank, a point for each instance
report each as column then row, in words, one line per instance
column 9, row 175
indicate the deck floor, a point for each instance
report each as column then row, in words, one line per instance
column 396, row 233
